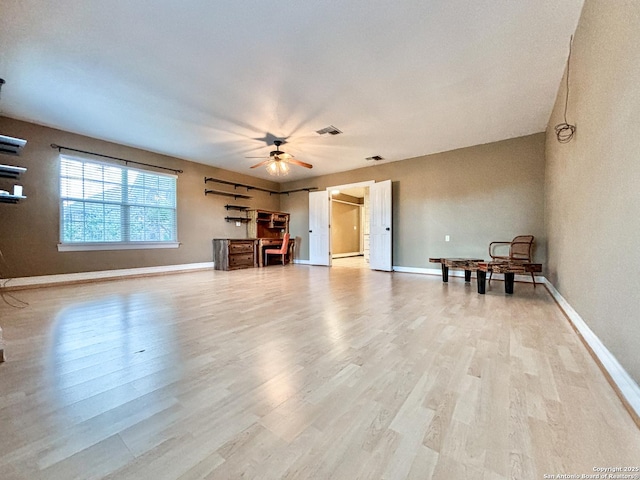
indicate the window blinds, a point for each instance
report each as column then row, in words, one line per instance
column 105, row 203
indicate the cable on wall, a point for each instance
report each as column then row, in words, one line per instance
column 565, row 131
column 16, row 302
column 126, row 162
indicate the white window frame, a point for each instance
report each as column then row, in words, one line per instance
column 117, row 245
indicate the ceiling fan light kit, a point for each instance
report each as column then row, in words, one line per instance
column 278, row 162
column 278, row 168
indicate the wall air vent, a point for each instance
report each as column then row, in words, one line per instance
column 375, row 158
column 11, row 146
column 331, row 130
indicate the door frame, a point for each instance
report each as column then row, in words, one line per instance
column 367, row 183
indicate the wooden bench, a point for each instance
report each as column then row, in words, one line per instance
column 467, row 264
column 509, row 269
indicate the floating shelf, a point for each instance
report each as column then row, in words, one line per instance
column 260, row 189
column 242, row 208
column 9, row 171
column 226, row 194
column 11, row 198
column 237, row 219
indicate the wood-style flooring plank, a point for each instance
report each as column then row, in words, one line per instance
column 301, row 372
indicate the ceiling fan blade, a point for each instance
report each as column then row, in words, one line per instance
column 299, row 163
column 261, row 163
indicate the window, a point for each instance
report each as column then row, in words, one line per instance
column 105, row 206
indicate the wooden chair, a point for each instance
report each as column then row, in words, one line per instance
column 520, row 250
column 280, row 251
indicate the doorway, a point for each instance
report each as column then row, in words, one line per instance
column 377, row 240
column 349, row 226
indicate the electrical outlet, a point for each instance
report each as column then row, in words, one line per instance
column 447, row 238
column 238, row 224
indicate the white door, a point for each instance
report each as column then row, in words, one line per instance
column 380, row 233
column 319, row 228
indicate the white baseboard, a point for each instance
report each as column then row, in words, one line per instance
column 627, row 387
column 460, row 273
column 45, row 280
column 301, row 262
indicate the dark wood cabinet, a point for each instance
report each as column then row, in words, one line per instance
column 267, row 224
column 233, row 254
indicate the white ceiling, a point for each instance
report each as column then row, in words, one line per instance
column 213, row 82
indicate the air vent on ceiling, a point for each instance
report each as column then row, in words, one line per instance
column 11, row 146
column 375, row 158
column 331, row 130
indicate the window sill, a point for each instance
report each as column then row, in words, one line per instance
column 85, row 247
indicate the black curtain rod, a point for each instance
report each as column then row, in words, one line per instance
column 127, row 162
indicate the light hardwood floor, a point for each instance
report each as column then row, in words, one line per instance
column 301, row 372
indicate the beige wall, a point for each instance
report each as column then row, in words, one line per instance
column 593, row 182
column 476, row 195
column 345, row 228
column 29, row 231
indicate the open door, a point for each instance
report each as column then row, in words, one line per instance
column 380, row 233
column 319, row 228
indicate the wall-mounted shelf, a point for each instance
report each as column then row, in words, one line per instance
column 239, row 208
column 226, row 194
column 260, row 189
column 237, row 219
column 11, row 198
column 9, row 171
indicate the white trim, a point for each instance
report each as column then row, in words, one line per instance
column 368, row 183
column 627, row 386
column 85, row 247
column 100, row 275
column 422, row 271
column 301, row 262
column 347, row 203
column 460, row 273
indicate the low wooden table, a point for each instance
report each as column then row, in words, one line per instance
column 509, row 269
column 467, row 264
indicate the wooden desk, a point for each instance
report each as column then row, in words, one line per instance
column 264, row 243
column 232, row 254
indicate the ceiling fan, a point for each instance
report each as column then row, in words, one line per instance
column 278, row 162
